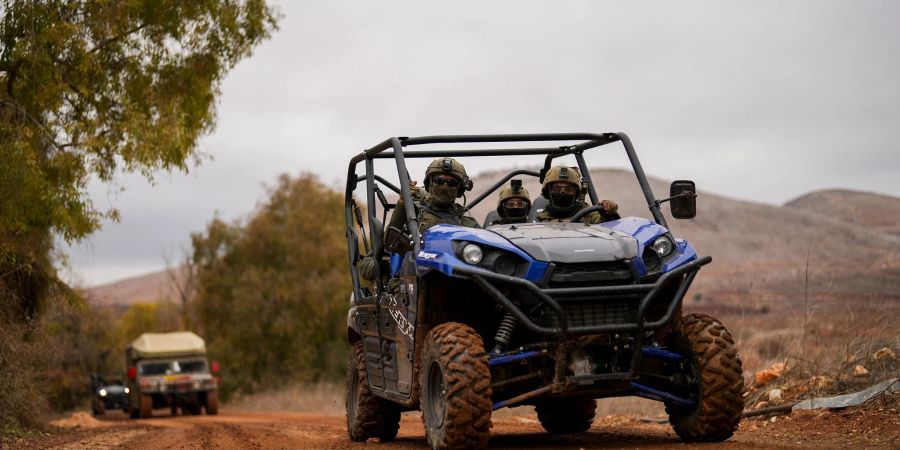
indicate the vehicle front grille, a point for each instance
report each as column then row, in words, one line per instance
column 591, row 312
column 591, row 273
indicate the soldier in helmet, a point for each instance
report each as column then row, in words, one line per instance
column 513, row 204
column 562, row 188
column 445, row 181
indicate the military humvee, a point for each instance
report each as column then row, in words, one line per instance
column 171, row 370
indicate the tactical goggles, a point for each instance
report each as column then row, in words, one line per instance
column 449, row 181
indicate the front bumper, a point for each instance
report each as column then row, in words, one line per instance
column 551, row 298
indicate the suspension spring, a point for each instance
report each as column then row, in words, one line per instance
column 504, row 333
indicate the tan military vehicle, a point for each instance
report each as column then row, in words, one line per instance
column 171, row 370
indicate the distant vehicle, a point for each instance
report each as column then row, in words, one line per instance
column 171, row 370
column 552, row 314
column 109, row 392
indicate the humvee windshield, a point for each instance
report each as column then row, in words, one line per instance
column 172, row 367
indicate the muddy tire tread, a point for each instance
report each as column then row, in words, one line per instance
column 722, row 385
column 375, row 417
column 459, row 349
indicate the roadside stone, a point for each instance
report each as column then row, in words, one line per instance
column 775, row 395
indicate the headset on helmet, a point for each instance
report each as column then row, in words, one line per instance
column 451, row 167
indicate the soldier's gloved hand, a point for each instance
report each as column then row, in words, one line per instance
column 609, row 206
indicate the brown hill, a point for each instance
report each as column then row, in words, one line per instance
column 760, row 252
column 876, row 211
column 149, row 288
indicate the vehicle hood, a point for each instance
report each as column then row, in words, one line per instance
column 567, row 242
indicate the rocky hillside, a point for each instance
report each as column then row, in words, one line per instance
column 876, row 211
column 762, row 251
column 846, row 242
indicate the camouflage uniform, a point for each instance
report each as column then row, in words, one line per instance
column 553, row 213
column 432, row 208
column 436, row 208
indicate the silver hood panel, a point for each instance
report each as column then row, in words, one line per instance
column 566, row 242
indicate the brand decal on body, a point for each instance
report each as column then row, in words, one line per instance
column 427, row 255
column 403, row 325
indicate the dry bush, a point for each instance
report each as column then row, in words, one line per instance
column 22, row 354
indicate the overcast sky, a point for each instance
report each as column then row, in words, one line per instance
column 761, row 100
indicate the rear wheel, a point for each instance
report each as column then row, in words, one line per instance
column 566, row 415
column 716, row 381
column 368, row 416
column 146, row 406
column 212, row 403
column 455, row 385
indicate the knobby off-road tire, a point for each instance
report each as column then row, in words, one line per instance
column 565, row 416
column 455, row 382
column 716, row 364
column 146, row 406
column 212, row 403
column 368, row 416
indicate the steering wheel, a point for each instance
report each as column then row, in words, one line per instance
column 577, row 217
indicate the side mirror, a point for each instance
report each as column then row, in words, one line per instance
column 683, row 195
column 132, row 373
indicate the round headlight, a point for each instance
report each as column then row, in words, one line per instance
column 472, row 254
column 663, row 246
column 103, row 392
column 127, row 390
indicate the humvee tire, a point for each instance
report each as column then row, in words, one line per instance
column 146, row 406
column 99, row 407
column 134, row 413
column 565, row 416
column 715, row 363
column 368, row 416
column 174, row 410
column 212, row 403
column 455, row 385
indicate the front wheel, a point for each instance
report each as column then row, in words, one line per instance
column 715, row 379
column 146, row 409
column 455, row 384
column 565, row 416
column 368, row 416
column 212, row 403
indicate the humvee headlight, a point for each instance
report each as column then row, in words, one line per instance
column 103, row 392
column 663, row 246
column 472, row 254
column 127, row 390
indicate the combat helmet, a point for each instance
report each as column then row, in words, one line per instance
column 561, row 174
column 513, row 190
column 452, row 167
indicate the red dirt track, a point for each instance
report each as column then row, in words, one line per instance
column 878, row 426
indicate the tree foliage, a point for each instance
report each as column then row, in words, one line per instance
column 272, row 293
column 93, row 88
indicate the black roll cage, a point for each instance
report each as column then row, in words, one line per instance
column 394, row 148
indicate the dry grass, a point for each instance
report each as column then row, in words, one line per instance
column 21, row 392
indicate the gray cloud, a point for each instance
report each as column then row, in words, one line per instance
column 753, row 100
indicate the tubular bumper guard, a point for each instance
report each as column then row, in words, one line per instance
column 651, row 293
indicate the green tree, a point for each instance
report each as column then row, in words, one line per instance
column 91, row 89
column 272, row 294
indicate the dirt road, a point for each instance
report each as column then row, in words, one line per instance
column 876, row 426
